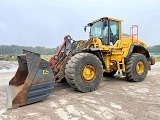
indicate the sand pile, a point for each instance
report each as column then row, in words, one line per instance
column 8, row 66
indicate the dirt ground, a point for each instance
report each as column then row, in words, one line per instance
column 115, row 98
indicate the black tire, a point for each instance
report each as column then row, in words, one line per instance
column 74, row 68
column 110, row 74
column 131, row 71
column 67, row 73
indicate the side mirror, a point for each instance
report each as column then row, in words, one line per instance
column 85, row 28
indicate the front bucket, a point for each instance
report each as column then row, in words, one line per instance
column 32, row 82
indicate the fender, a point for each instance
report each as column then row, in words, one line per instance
column 135, row 48
column 98, row 53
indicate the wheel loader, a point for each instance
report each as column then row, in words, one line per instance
column 82, row 63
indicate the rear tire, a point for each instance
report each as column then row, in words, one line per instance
column 84, row 72
column 137, row 67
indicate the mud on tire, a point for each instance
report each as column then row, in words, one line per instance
column 74, row 72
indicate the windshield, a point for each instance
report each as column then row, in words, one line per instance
column 99, row 30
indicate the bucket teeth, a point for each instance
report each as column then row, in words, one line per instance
column 32, row 82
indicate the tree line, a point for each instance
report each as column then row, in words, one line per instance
column 154, row 49
column 15, row 50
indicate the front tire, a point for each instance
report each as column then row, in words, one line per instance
column 137, row 67
column 84, row 72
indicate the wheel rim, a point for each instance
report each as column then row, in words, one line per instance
column 140, row 68
column 88, row 73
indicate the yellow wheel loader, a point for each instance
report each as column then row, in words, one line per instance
column 82, row 63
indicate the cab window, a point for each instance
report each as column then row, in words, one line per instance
column 114, row 27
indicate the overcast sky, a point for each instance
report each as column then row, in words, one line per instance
column 46, row 22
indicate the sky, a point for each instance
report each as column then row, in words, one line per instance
column 46, row 22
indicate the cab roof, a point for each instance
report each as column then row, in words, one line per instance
column 115, row 19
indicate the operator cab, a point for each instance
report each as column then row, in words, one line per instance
column 106, row 29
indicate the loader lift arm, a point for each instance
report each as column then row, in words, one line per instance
column 66, row 42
